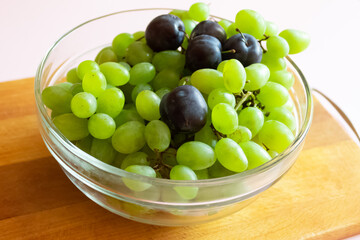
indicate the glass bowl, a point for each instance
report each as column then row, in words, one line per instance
column 159, row 204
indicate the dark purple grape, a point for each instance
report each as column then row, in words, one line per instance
column 204, row 51
column 211, row 28
column 165, row 32
column 184, row 109
column 247, row 51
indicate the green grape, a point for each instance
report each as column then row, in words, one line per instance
column 234, row 76
column 85, row 67
column 289, row 105
column 273, row 95
column 147, row 105
column 57, row 99
column 220, row 95
column 181, row 172
column 83, row 105
column 206, row 135
column 126, row 65
column 129, row 137
column 137, row 185
column 221, row 65
column 94, row 83
column 257, row 75
column 271, row 29
column 85, row 144
column 252, row 118
column 76, row 88
column 224, row 24
column 166, row 78
column 115, row 73
column 138, row 52
column 106, row 55
column 169, row 59
column 101, row 126
column 72, row 127
column 137, row 158
column 157, row 135
column 127, row 90
column 121, row 42
column 277, row 47
column 195, row 155
column 185, row 43
column 255, row 154
column 206, row 80
column 274, row 64
column 72, row 77
column 241, row 134
column 272, row 153
column 276, row 135
column 169, row 157
column 142, row 73
column 217, row 170
column 65, row 85
column 199, row 11
column 231, row 30
column 111, row 102
column 139, row 35
column 283, row 115
column 152, row 193
column 230, row 155
column 127, row 115
column 162, row 91
column 251, row 22
column 119, row 158
column 298, row 40
column 179, row 13
column 202, row 174
column 103, row 150
column 138, row 88
column 189, row 26
column 224, row 118
column 283, row 77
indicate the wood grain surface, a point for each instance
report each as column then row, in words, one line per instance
column 319, row 198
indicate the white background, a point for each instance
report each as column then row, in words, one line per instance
column 331, row 63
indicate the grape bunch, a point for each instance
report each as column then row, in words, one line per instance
column 189, row 98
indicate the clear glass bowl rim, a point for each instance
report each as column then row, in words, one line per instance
column 299, row 138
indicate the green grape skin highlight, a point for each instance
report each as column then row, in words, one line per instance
column 271, row 29
column 252, row 118
column 101, row 126
column 94, row 83
column 257, row 75
column 230, row 155
column 234, row 76
column 181, row 172
column 206, row 80
column 196, row 155
column 251, row 22
column 83, row 105
column 199, row 11
column 157, row 135
column 111, row 102
column 115, row 73
column 147, row 104
column 129, row 137
column 277, row 47
column 273, row 95
column 298, row 40
column 255, row 154
column 72, row 127
column 283, row 77
column 276, row 135
column 85, row 67
column 137, row 185
column 224, row 118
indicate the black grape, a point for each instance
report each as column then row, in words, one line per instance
column 211, row 28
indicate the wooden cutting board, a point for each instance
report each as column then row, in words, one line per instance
column 319, row 198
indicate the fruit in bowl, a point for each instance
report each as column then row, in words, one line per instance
column 179, row 119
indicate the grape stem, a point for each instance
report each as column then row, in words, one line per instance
column 229, row 51
column 261, row 40
column 242, row 100
column 218, row 134
column 243, row 37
